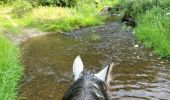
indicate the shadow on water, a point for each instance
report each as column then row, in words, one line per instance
column 48, row 64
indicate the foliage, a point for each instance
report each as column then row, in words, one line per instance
column 135, row 7
column 86, row 7
column 154, row 30
column 165, row 4
column 61, row 19
column 6, row 1
column 64, row 19
column 58, row 2
column 153, row 23
column 21, row 7
column 62, row 3
column 50, row 18
column 10, row 69
column 35, row 3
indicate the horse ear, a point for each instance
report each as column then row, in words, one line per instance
column 77, row 67
column 105, row 74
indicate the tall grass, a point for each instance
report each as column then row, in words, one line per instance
column 10, row 70
column 49, row 18
column 63, row 19
column 154, row 30
column 6, row 20
column 153, row 23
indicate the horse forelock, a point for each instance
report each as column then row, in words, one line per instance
column 87, row 87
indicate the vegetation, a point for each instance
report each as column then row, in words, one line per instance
column 62, row 19
column 44, row 2
column 51, row 18
column 10, row 69
column 153, row 23
column 154, row 31
column 21, row 7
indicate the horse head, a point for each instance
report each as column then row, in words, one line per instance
column 88, row 85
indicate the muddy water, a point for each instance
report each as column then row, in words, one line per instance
column 48, row 60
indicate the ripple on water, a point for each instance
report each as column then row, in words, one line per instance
column 48, row 60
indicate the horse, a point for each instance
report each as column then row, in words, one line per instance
column 88, row 85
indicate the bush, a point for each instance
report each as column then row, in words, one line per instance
column 6, row 1
column 67, row 3
column 154, row 30
column 153, row 23
column 83, row 14
column 21, row 7
column 134, row 7
column 34, row 3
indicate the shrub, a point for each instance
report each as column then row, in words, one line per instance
column 83, row 14
column 6, row 1
column 164, row 4
column 68, row 3
column 135, row 7
column 21, row 7
column 154, row 30
column 153, row 23
column 86, row 8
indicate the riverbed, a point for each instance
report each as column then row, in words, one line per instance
column 138, row 75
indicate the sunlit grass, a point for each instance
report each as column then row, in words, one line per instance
column 85, row 13
column 61, row 19
column 51, row 13
column 153, row 23
column 10, row 70
column 154, row 31
column 6, row 20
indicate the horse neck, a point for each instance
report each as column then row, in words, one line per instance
column 88, row 88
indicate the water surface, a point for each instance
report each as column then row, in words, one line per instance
column 48, row 60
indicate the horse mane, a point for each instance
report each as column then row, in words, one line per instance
column 87, row 87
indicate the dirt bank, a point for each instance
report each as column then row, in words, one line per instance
column 24, row 35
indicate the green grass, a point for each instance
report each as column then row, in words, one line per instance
column 153, row 25
column 5, row 22
column 63, row 19
column 154, row 30
column 57, row 19
column 60, row 19
column 10, row 69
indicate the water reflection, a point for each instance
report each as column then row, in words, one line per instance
column 48, row 64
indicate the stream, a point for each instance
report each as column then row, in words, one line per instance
column 48, row 59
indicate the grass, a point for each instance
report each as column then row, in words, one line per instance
column 154, row 31
column 153, row 23
column 57, row 19
column 6, row 21
column 63, row 19
column 10, row 69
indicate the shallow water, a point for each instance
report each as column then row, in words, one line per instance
column 48, row 60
